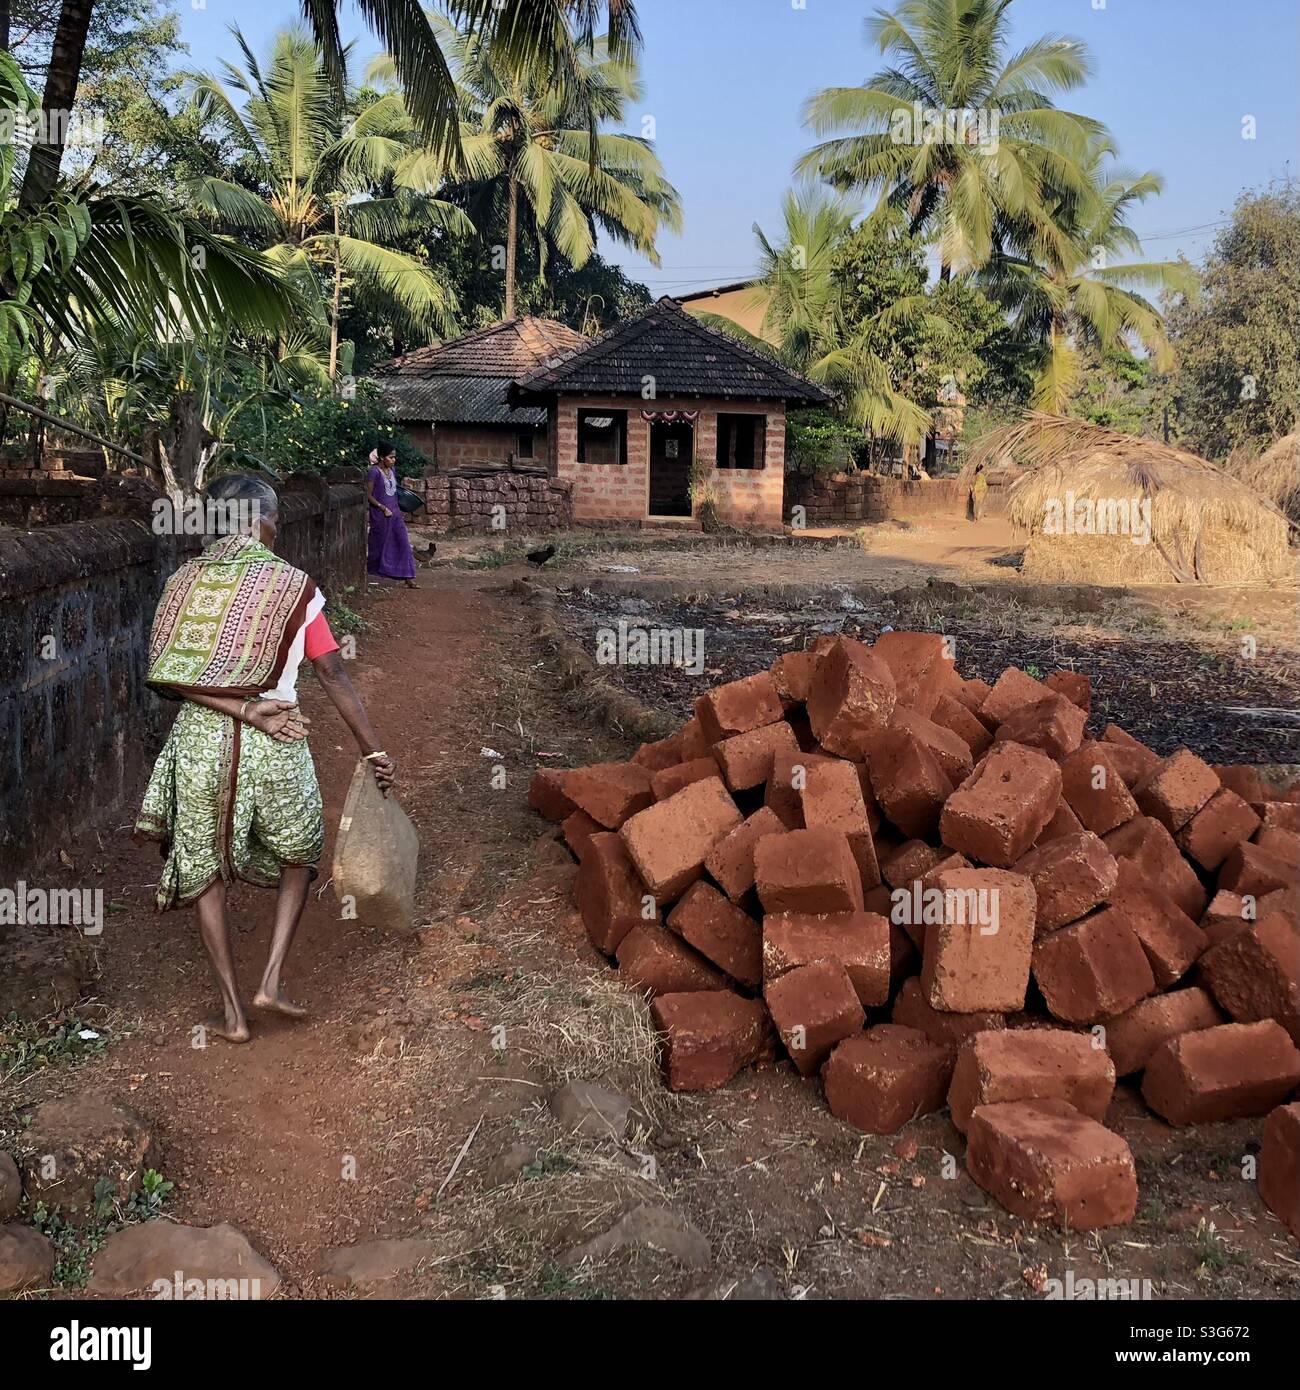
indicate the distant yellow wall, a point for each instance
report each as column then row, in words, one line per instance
column 738, row 305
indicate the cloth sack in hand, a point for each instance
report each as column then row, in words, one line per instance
column 375, row 855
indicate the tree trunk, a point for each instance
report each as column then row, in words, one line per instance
column 945, row 273
column 338, row 295
column 4, row 26
column 56, row 103
column 512, row 236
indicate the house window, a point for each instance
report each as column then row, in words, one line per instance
column 742, row 441
column 524, row 444
column 602, row 436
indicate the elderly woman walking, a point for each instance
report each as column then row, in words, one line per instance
column 233, row 795
column 388, row 553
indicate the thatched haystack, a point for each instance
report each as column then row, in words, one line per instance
column 1275, row 474
column 1103, row 507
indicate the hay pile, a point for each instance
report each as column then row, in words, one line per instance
column 1275, row 474
column 1104, row 507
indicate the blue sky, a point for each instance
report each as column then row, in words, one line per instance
column 725, row 81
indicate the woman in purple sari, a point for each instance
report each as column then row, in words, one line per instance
column 388, row 552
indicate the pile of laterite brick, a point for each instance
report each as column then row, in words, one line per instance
column 937, row 892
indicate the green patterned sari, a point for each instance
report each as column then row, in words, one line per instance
column 226, row 800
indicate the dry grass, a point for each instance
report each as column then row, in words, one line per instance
column 1275, row 474
column 1205, row 524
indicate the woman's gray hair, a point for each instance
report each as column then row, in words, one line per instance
column 235, row 503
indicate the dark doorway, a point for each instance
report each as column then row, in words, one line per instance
column 672, row 444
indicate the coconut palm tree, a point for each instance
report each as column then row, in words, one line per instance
column 1064, row 293
column 535, row 155
column 327, row 185
column 524, row 33
column 957, row 130
column 807, row 319
column 79, row 263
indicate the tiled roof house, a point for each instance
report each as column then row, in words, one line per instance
column 451, row 398
column 634, row 411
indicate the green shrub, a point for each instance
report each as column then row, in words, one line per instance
column 817, row 441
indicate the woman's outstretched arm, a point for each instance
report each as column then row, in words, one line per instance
column 343, row 696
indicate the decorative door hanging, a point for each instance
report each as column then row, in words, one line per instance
column 668, row 416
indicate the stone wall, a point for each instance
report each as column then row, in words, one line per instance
column 530, row 502
column 78, row 727
column 860, row 499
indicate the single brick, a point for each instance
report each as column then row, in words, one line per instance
column 731, row 860
column 1283, row 843
column 609, row 893
column 922, row 666
column 972, row 693
column 859, row 941
column 1225, row 914
column 1176, row 788
column 907, row 902
column 1172, row 941
column 814, row 1007
column 785, row 785
column 694, row 743
column 1242, row 779
column 977, row 955
column 654, row 961
column 1074, row 685
column 1003, row 806
column 852, row 697
column 746, row 759
column 578, row 830
column 1283, row 900
column 1044, row 1161
column 964, row 722
column 670, row 780
column 949, row 749
column 1151, row 848
column 1071, row 876
column 610, row 793
column 832, row 798
column 1135, row 755
column 1011, row 691
column 664, row 752
column 1254, row 973
column 793, row 673
column 807, row 871
column 1217, row 829
column 1054, row 726
column 1131, row 1037
column 670, row 841
column 1031, row 1064
column 912, row 1008
column 1095, row 789
column 1063, row 823
column 1226, row 1073
column 739, row 706
column 709, row 1036
column 546, row 794
column 1251, row 869
column 1279, row 1166
column 879, row 1080
column 907, row 781
column 720, row 932
column 1093, row 968
column 910, row 862
column 1278, row 815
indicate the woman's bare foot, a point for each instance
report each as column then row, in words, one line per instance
column 410, row 583
column 276, row 1003
column 232, row 1030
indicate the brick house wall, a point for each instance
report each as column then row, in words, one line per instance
column 459, row 446
column 747, row 498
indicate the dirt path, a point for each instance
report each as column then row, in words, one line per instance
column 267, row 1136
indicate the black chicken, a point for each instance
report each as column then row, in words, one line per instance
column 540, row 557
